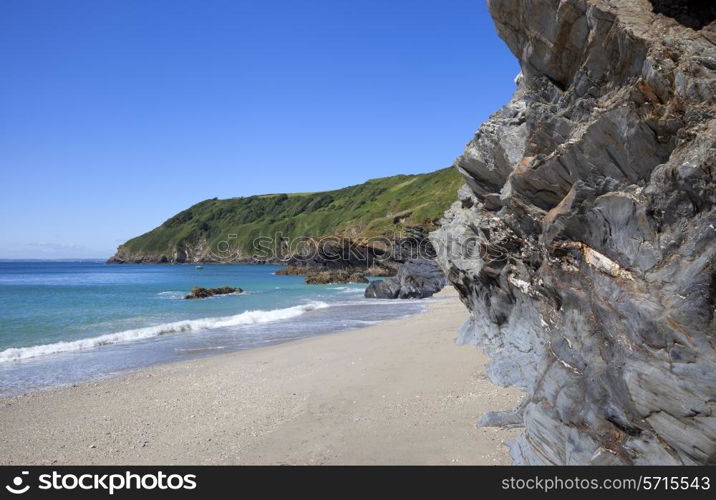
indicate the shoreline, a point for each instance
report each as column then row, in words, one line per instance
column 399, row 392
column 206, row 353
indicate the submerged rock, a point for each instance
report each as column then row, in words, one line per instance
column 584, row 243
column 417, row 278
column 202, row 293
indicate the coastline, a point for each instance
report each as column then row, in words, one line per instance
column 399, row 392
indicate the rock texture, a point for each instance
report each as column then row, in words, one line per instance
column 337, row 276
column 203, row 293
column 382, row 255
column 381, row 271
column 584, row 243
column 416, row 279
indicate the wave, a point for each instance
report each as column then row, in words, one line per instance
column 348, row 289
column 186, row 326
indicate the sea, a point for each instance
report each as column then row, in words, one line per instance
column 66, row 322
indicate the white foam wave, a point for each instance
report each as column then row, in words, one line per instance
column 347, row 289
column 192, row 325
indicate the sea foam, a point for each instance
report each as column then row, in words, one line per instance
column 192, row 325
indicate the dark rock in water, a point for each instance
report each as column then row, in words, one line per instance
column 202, row 293
column 584, row 244
column 383, row 289
column 416, row 279
column 339, row 276
column 292, row 271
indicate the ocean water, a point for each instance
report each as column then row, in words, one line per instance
column 67, row 322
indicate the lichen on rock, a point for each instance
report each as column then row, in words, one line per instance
column 584, row 242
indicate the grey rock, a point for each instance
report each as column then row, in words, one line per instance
column 417, row 278
column 584, row 244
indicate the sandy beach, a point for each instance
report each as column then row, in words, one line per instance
column 400, row 392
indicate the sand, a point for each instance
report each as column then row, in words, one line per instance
column 400, row 392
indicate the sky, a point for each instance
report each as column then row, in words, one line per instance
column 117, row 114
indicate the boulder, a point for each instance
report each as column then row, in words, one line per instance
column 416, row 279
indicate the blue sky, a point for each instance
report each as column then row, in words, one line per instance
column 115, row 115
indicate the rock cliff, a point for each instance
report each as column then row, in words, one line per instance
column 584, row 241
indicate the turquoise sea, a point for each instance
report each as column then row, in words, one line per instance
column 67, row 322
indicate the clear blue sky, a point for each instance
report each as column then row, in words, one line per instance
column 115, row 115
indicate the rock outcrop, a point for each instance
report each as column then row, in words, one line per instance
column 416, row 279
column 337, row 276
column 204, row 293
column 381, row 271
column 381, row 255
column 584, row 243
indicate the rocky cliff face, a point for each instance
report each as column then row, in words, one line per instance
column 584, row 243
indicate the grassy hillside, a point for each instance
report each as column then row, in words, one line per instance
column 378, row 207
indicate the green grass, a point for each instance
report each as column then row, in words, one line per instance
column 361, row 211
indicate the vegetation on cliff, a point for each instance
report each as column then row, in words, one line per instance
column 378, row 207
